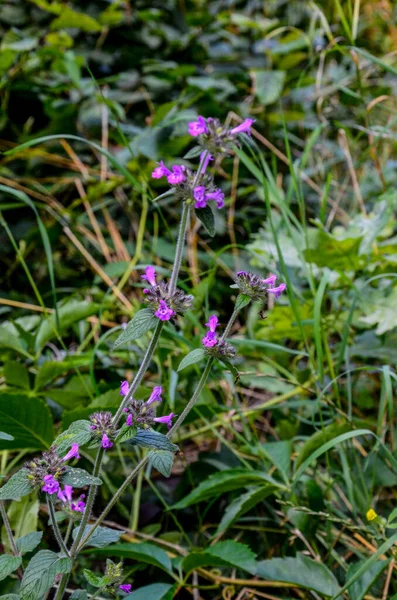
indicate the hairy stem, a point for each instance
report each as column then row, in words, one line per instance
column 179, row 249
column 55, row 527
column 8, row 529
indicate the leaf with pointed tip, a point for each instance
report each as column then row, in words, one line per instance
column 17, row 486
column 222, row 554
column 79, row 478
column 194, row 357
column 242, row 504
column 6, row 436
column 206, row 216
column 102, row 536
column 78, row 432
column 41, row 572
column 242, row 301
column 126, row 433
column 148, row 438
column 8, row 564
column 29, row 542
column 142, row 322
column 162, row 460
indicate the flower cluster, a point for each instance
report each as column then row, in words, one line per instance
column 102, row 426
column 215, row 346
column 47, row 469
column 165, row 305
column 257, row 288
column 215, row 137
column 66, row 496
column 143, row 414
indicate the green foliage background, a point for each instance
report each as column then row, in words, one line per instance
column 278, row 468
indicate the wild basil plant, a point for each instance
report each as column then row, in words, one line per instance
column 70, row 491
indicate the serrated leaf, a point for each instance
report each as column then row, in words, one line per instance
column 94, row 579
column 148, row 438
column 6, row 436
column 28, row 420
column 79, row 432
column 222, row 554
column 242, row 504
column 154, row 591
column 144, row 553
column 40, row 574
column 142, row 322
column 242, row 301
column 29, row 542
column 300, row 570
column 162, row 460
column 17, row 486
column 69, row 314
column 194, row 357
column 79, row 478
column 126, row 433
column 102, row 536
column 206, row 216
column 363, row 584
column 8, row 564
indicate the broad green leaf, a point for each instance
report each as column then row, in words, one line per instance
column 340, row 254
column 8, row 564
column 224, row 481
column 95, row 580
column 23, row 515
column 280, row 455
column 155, row 591
column 126, row 433
column 28, row 420
column 79, row 432
column 302, row 571
column 70, row 18
column 102, row 536
column 69, row 314
column 12, row 342
column 5, row 436
column 242, row 504
column 17, row 486
column 40, row 574
column 206, row 216
column 269, row 85
column 16, row 374
column 29, row 542
column 79, row 595
column 141, row 323
column 146, row 553
column 50, row 370
column 148, row 438
column 162, row 460
column 363, row 585
column 319, row 438
column 194, row 357
column 79, row 478
column 222, row 554
column 242, row 301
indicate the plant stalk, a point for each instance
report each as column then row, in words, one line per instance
column 8, row 529
column 55, row 527
column 179, row 249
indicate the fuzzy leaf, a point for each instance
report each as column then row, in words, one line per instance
column 102, row 536
column 8, row 564
column 148, row 438
column 194, row 357
column 40, row 574
column 79, row 432
column 16, row 487
column 242, row 300
column 29, row 542
column 141, row 323
column 79, row 478
column 94, row 579
column 207, row 218
column 144, row 553
column 162, row 460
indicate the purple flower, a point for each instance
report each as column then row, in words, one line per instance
column 73, row 453
column 166, row 419
column 242, row 272
column 271, row 280
column 129, row 420
column 160, row 171
column 51, row 485
column 243, row 128
column 124, row 387
column 106, row 443
column 199, row 196
column 66, row 494
column 155, row 396
column 177, row 175
column 209, row 339
column 208, row 158
column 164, row 313
column 125, row 587
column 150, row 276
column 212, row 323
column 79, row 506
column 218, row 196
column 277, row 291
column 198, row 127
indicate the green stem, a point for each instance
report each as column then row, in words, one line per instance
column 179, row 249
column 8, row 529
column 55, row 527
column 68, row 532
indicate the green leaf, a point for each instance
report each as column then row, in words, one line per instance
column 300, row 570
column 10, row 597
column 40, row 574
column 242, row 504
column 363, row 584
column 194, row 357
column 102, row 536
column 340, row 254
column 24, row 515
column 78, row 432
column 219, row 483
column 162, row 460
column 193, row 152
column 69, row 314
column 28, row 420
column 70, row 18
column 79, row 595
column 207, row 218
column 79, row 478
column 142, row 322
column 126, row 433
column 222, row 554
column 94, row 579
column 146, row 553
column 230, row 366
column 8, row 564
column 155, row 591
column 269, row 85
column 29, row 542
column 17, row 486
column 242, row 301
column 16, row 374
column 6, row 436
column 11, row 341
column 148, row 438
column 319, row 438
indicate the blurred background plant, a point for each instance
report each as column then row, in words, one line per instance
column 96, row 93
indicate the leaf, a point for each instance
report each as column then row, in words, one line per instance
column 243, row 504
column 363, row 584
column 78, row 432
column 28, row 420
column 29, row 542
column 79, row 595
column 194, row 357
column 16, row 374
column 24, row 515
column 193, row 152
column 6, row 436
column 155, row 591
column 94, row 579
column 242, row 301
column 11, row 341
column 8, row 564
column 10, row 597
column 224, row 481
column 40, row 574
column 300, row 570
column 230, row 366
column 206, row 216
column 319, row 438
column 17, row 486
column 162, row 460
column 102, row 536
column 126, row 433
column 148, row 438
column 72, row 19
column 147, row 553
column 228, row 553
column 269, row 85
column 79, row 478
column 142, row 322
column 69, row 314
column 340, row 254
